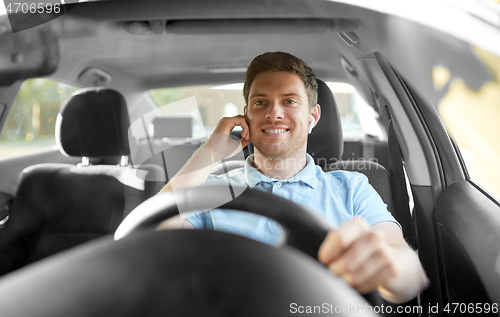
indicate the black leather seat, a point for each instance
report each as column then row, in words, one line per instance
column 325, row 144
column 58, row 206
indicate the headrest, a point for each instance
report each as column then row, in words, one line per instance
column 171, row 127
column 325, row 143
column 93, row 122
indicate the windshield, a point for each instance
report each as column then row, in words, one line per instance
column 471, row 116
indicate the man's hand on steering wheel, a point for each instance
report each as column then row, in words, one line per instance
column 363, row 256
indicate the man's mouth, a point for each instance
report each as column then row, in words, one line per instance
column 275, row 131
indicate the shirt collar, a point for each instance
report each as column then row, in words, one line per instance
column 307, row 175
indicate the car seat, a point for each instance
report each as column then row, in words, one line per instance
column 58, row 206
column 325, row 145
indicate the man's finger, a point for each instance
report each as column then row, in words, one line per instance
column 363, row 249
column 227, row 124
column 358, row 253
column 371, row 269
column 337, row 241
column 364, row 286
column 245, row 131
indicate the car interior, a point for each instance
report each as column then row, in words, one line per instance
column 78, row 218
column 52, row 200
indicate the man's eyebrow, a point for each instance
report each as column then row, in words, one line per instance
column 289, row 94
column 257, row 95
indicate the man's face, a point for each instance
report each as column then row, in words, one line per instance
column 278, row 114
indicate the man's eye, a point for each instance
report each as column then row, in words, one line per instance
column 259, row 102
column 290, row 102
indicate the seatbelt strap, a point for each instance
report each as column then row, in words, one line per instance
column 399, row 190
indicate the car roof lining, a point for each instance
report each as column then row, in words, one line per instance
column 168, row 25
column 160, row 60
column 127, row 10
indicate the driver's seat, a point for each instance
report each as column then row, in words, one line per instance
column 58, row 206
column 325, row 145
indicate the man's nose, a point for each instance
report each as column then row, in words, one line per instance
column 275, row 111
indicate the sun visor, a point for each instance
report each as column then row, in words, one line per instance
column 27, row 54
column 241, row 26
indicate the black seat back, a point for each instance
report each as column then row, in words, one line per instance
column 325, row 145
column 58, row 206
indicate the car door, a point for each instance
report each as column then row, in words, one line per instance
column 463, row 224
column 456, row 221
column 441, row 95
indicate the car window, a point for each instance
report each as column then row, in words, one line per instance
column 215, row 102
column 30, row 124
column 471, row 116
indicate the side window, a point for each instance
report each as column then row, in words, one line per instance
column 356, row 116
column 30, row 125
column 471, row 116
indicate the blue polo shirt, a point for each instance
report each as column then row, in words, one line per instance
column 338, row 196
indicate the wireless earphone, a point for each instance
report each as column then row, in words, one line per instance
column 311, row 124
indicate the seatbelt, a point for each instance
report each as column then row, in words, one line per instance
column 398, row 184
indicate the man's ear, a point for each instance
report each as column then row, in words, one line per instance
column 245, row 110
column 316, row 113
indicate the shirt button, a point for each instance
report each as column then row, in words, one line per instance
column 278, row 184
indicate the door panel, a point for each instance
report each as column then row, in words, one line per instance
column 468, row 224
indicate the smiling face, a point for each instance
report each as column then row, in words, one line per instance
column 278, row 115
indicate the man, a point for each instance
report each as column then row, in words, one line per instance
column 367, row 250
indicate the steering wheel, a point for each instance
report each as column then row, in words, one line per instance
column 304, row 229
column 187, row 272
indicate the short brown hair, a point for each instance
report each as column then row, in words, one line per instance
column 282, row 62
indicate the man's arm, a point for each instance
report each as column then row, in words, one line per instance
column 202, row 162
column 375, row 257
column 175, row 223
column 219, row 146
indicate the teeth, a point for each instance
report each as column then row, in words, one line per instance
column 275, row 131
